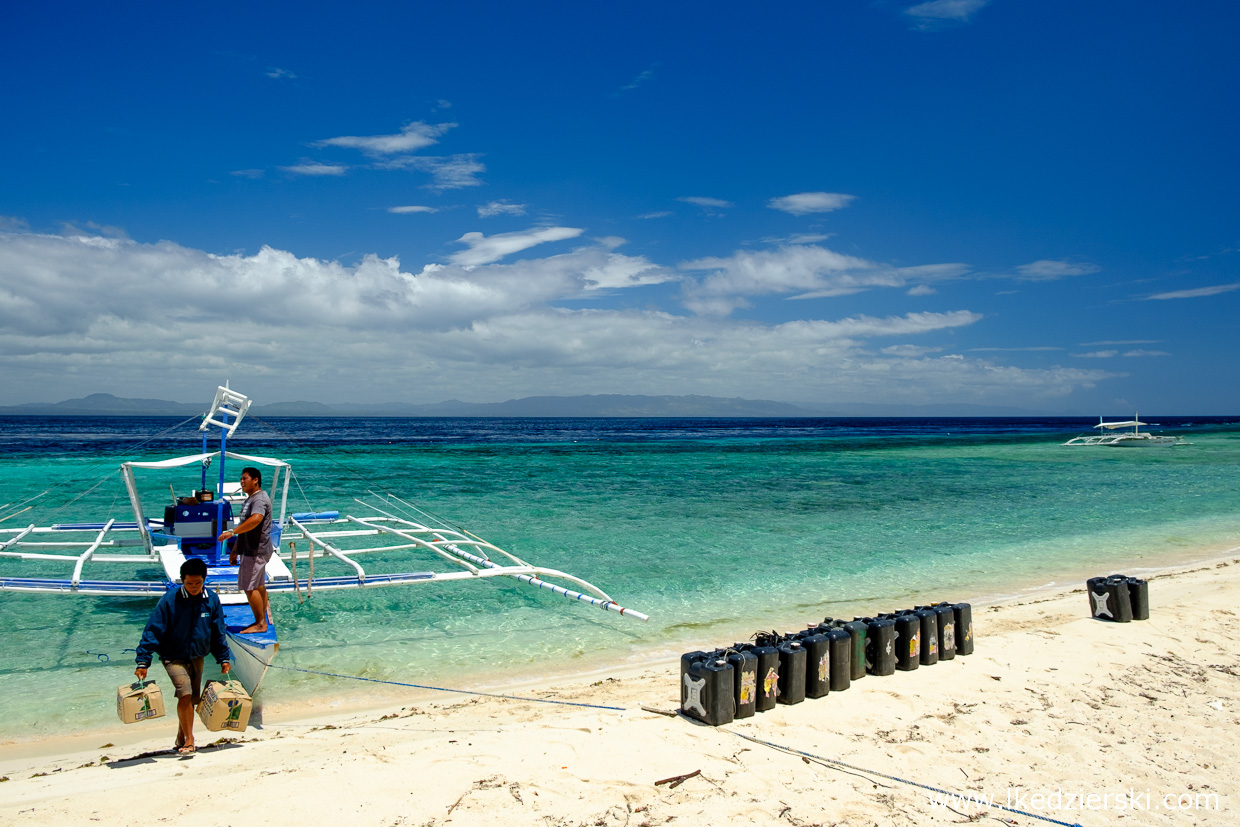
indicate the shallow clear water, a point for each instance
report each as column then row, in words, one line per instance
column 715, row 528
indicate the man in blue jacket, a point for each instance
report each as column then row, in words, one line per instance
column 187, row 623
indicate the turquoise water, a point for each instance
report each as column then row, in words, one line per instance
column 715, row 532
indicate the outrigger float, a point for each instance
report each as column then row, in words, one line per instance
column 190, row 528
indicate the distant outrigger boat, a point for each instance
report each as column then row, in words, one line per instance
column 191, row 526
column 1125, row 439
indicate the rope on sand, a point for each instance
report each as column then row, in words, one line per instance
column 837, row 763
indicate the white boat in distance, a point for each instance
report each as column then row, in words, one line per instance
column 189, row 527
column 1134, row 438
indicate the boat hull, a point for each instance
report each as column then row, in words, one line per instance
column 252, row 653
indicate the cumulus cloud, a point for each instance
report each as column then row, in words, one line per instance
column 501, row 208
column 805, row 203
column 1048, row 270
column 315, row 168
column 1196, row 293
column 412, row 208
column 411, row 138
column 86, row 313
column 486, row 249
column 799, row 271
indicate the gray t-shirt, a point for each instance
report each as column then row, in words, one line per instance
column 256, row 542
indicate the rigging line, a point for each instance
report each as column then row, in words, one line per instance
column 352, row 472
column 98, row 482
column 393, row 501
column 837, row 763
column 304, row 498
column 81, row 477
column 310, row 449
column 19, row 505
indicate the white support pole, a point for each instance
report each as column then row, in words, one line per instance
column 131, row 488
column 332, row 550
column 89, row 553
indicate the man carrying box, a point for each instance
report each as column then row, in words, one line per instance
column 187, row 623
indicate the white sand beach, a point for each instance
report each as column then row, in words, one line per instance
column 1055, row 715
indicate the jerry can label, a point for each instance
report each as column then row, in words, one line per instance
column 770, row 684
column 749, row 687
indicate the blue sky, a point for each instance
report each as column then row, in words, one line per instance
column 959, row 201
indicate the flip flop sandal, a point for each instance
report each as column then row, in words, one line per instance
column 187, row 751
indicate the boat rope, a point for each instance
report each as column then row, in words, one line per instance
column 439, row 688
column 352, row 472
column 835, row 762
column 780, row 747
column 81, row 477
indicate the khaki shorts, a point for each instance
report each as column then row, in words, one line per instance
column 186, row 676
column 252, row 572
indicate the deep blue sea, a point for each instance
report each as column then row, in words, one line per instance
column 714, row 527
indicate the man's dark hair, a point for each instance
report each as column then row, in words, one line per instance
column 193, row 567
column 255, row 473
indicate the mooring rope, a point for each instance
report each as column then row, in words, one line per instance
column 838, row 763
column 435, row 688
column 790, row 750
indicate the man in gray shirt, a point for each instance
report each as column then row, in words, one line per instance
column 253, row 546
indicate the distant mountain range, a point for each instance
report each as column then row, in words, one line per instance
column 602, row 405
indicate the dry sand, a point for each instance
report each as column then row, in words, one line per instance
column 1081, row 712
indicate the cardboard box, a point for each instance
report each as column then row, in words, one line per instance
column 139, row 701
column 225, row 706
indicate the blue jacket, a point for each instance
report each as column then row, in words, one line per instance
column 184, row 627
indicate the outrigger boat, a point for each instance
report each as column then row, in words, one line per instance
column 190, row 528
column 1134, row 438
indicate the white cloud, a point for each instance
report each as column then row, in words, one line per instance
column 708, row 204
column 411, row 138
column 248, row 173
column 1139, row 353
column 914, row 351
column 1048, row 270
column 803, row 271
column 411, row 209
column 1196, row 293
column 449, row 172
column 86, row 313
column 1112, row 343
column 486, row 249
column 922, row 290
column 501, row 208
column 1097, row 354
column 280, row 74
column 944, row 11
column 315, row 168
column 660, row 214
column 639, row 80
column 805, row 203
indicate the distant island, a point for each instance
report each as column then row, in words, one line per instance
column 596, row 405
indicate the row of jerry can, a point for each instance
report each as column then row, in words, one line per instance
column 743, row 679
column 1119, row 598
